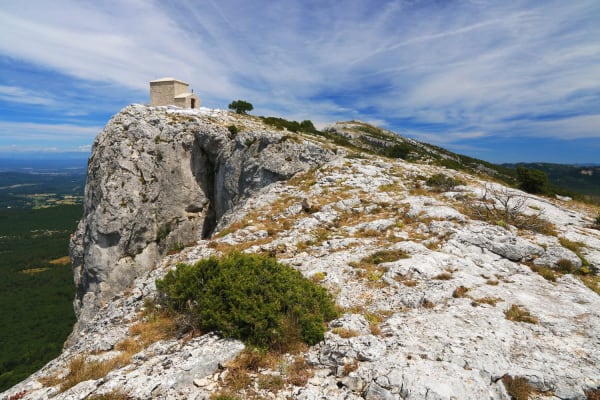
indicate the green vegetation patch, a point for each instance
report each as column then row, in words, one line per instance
column 250, row 297
column 383, row 256
column 36, row 288
column 442, row 182
column 292, row 126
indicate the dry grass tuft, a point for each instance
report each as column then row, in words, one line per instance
column 272, row 383
column 517, row 387
column 545, row 272
column 492, row 301
column 155, row 328
column 444, row 276
column 566, row 266
column 592, row 282
column 129, row 345
column 350, row 367
column 518, row 314
column 460, row 292
column 428, row 304
column 318, row 276
column 82, row 368
column 298, row 373
column 246, row 372
column 345, row 332
column 224, row 395
column 375, row 330
column 592, row 394
column 113, row 395
column 407, row 280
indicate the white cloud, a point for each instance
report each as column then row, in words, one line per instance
column 464, row 68
column 445, row 138
column 15, row 94
column 56, row 132
column 578, row 127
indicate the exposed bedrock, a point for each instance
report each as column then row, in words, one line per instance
column 159, row 179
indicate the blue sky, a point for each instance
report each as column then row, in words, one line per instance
column 504, row 81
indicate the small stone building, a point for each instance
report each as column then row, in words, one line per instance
column 171, row 91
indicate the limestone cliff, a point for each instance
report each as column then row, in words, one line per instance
column 450, row 286
column 161, row 178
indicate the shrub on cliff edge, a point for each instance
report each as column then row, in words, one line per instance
column 249, row 297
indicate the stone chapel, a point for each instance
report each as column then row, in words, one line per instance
column 171, row 91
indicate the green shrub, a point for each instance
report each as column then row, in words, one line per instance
column 532, row 180
column 292, row 126
column 249, row 297
column 566, row 266
column 442, row 182
column 401, row 150
column 384, row 256
column 233, row 129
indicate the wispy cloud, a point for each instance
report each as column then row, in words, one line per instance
column 450, row 72
column 15, row 94
column 33, row 133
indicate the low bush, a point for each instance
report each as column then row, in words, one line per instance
column 532, row 180
column 292, row 126
column 401, row 150
column 566, row 266
column 502, row 206
column 233, row 129
column 384, row 256
column 442, row 182
column 250, row 297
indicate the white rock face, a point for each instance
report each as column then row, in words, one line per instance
column 427, row 322
column 161, row 178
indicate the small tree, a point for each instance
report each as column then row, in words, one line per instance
column 532, row 180
column 240, row 106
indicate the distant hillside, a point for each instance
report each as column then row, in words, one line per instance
column 582, row 179
column 37, row 188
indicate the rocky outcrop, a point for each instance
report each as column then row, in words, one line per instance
column 428, row 322
column 161, row 178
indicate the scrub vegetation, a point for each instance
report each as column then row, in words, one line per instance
column 250, row 297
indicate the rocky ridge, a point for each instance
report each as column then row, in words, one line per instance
column 160, row 178
column 427, row 320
